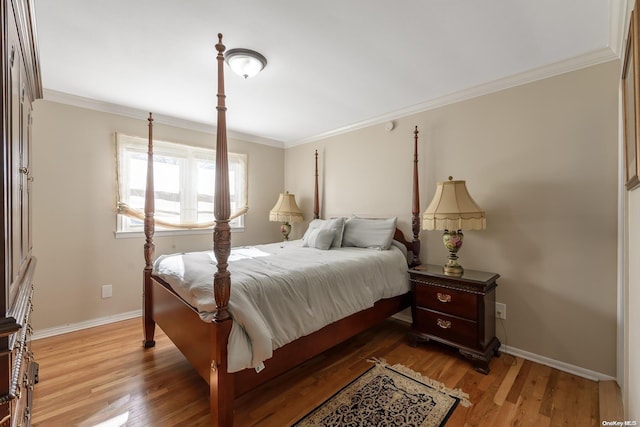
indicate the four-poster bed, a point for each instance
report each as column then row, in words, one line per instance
column 205, row 343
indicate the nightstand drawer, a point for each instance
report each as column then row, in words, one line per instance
column 457, row 303
column 450, row 328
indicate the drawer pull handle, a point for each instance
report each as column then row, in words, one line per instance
column 444, row 297
column 444, row 324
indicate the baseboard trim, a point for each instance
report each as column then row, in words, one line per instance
column 404, row 317
column 73, row 327
column 561, row 366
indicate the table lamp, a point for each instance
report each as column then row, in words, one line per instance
column 453, row 210
column 287, row 212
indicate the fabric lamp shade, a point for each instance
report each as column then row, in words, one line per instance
column 286, row 210
column 452, row 208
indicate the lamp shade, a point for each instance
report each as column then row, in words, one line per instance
column 452, row 208
column 286, row 209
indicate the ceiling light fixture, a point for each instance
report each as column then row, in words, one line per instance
column 245, row 62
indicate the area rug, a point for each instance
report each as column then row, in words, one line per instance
column 387, row 396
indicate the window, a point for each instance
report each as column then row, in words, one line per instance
column 184, row 181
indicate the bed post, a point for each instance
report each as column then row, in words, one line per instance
column 220, row 381
column 149, row 325
column 316, row 202
column 415, row 222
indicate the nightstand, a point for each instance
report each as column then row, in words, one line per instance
column 457, row 311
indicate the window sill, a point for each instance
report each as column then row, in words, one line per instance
column 163, row 233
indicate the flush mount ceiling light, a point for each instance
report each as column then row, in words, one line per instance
column 245, row 62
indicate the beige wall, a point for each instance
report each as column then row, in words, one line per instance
column 74, row 217
column 541, row 159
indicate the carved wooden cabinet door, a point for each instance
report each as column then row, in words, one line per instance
column 21, row 86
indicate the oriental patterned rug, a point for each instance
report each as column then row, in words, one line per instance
column 387, row 396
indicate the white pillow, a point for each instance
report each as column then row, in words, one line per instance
column 319, row 238
column 335, row 224
column 369, row 233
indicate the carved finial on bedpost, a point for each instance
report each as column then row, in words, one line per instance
column 316, row 202
column 222, row 230
column 415, row 222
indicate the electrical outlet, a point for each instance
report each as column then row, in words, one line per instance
column 501, row 310
column 107, row 291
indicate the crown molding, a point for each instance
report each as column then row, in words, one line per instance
column 136, row 113
column 572, row 64
column 619, row 13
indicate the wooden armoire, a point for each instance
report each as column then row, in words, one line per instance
column 21, row 86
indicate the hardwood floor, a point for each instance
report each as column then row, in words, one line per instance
column 103, row 374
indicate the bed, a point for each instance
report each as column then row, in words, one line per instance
column 203, row 322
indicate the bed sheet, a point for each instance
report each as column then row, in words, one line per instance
column 282, row 291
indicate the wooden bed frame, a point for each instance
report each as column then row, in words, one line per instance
column 204, row 344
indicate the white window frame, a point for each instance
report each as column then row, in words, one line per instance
column 187, row 156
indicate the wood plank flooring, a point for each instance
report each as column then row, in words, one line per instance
column 103, row 377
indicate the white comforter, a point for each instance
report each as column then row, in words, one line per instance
column 280, row 292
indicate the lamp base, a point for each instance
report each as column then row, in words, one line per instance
column 453, row 242
column 453, row 270
column 285, row 228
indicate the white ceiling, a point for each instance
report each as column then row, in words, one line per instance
column 332, row 65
